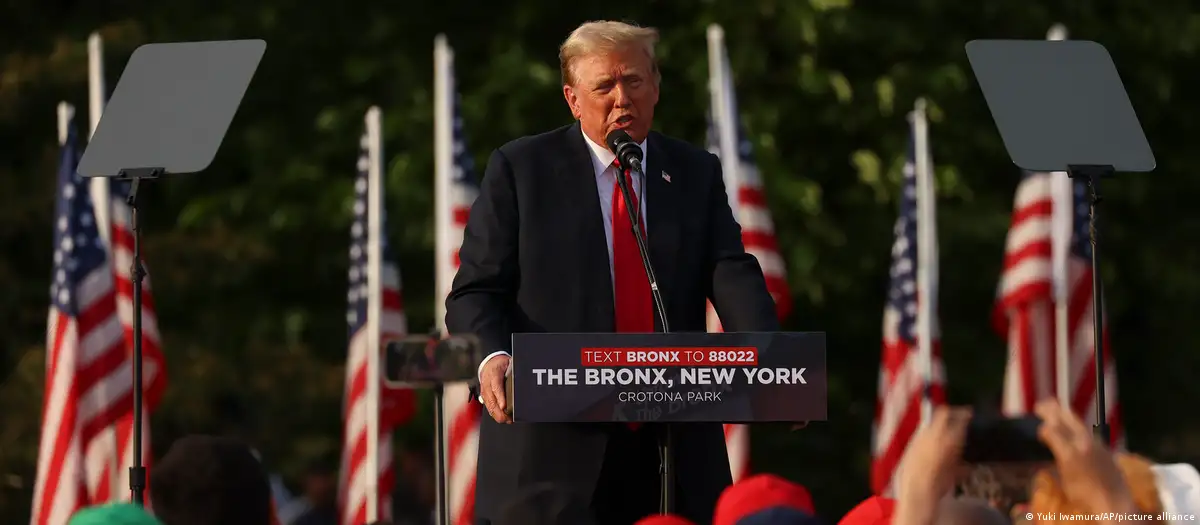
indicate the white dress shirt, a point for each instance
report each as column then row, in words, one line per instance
column 606, row 173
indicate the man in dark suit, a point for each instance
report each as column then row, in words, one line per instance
column 549, row 247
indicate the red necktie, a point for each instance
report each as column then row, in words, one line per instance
column 631, row 287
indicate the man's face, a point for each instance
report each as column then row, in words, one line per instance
column 613, row 90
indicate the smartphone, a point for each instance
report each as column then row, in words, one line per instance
column 423, row 362
column 994, row 439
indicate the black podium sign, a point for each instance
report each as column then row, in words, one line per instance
column 674, row 377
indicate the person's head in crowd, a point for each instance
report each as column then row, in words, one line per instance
column 969, row 511
column 1048, row 496
column 875, row 510
column 664, row 519
column 1019, row 514
column 779, row 516
column 114, row 514
column 1002, row 485
column 210, row 480
column 320, row 483
column 545, row 504
column 415, row 474
column 758, row 493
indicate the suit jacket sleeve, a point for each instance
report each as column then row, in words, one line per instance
column 738, row 291
column 485, row 287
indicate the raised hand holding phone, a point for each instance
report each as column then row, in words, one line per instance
column 930, row 466
column 1087, row 470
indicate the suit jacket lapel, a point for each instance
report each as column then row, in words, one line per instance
column 662, row 216
column 577, row 178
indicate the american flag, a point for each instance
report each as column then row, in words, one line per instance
column 395, row 406
column 901, row 375
column 749, row 206
column 456, row 190
column 1026, row 307
column 88, row 380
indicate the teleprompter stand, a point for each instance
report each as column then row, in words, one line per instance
column 1061, row 106
column 666, row 450
column 167, row 116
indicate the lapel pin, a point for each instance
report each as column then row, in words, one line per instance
column 666, row 177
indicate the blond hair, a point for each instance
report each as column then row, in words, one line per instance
column 1048, row 497
column 603, row 36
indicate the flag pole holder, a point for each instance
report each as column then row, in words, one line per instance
column 137, row 274
column 1091, row 175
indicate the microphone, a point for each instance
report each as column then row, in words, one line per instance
column 629, row 154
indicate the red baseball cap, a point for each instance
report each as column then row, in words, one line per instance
column 758, row 492
column 875, row 510
column 663, row 519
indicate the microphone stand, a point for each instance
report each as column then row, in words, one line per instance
column 665, row 451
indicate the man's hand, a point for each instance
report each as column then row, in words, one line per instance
column 1087, row 470
column 491, row 387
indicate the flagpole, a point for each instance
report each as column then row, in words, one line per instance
column 101, row 194
column 723, row 102
column 716, row 90
column 443, row 147
column 723, row 111
column 99, row 188
column 65, row 112
column 926, row 256
column 1062, row 197
column 374, row 302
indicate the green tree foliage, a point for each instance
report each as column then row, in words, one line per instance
column 248, row 260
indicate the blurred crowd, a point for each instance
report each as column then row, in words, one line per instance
column 208, row 480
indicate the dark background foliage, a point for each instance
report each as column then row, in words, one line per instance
column 249, row 259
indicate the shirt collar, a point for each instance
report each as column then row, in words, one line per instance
column 602, row 158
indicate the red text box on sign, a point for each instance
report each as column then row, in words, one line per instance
column 720, row 356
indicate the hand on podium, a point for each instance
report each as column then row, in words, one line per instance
column 492, row 387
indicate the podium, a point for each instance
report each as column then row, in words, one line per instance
column 669, row 378
column 664, row 378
